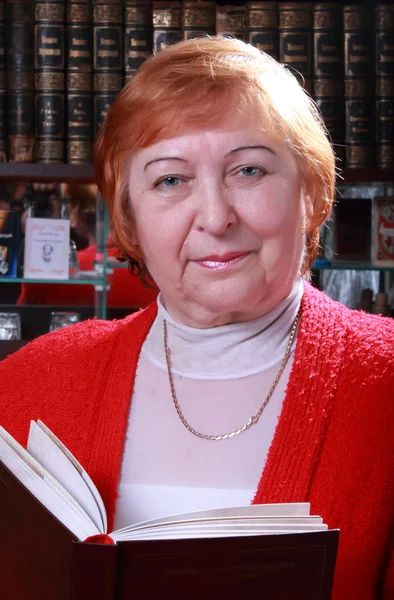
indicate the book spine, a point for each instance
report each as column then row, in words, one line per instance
column 49, row 80
column 263, row 27
column 3, row 96
column 295, row 40
column 231, row 21
column 138, row 34
column 20, row 81
column 198, row 18
column 79, row 82
column 167, row 23
column 93, row 571
column 359, row 85
column 107, row 56
column 327, row 70
column 385, row 85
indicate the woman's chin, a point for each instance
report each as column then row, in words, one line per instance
column 242, row 306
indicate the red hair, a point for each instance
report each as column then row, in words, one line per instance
column 194, row 84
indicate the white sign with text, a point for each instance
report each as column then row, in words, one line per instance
column 47, row 243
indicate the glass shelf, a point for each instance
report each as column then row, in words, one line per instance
column 348, row 267
column 85, row 278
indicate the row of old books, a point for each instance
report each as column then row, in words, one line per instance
column 63, row 62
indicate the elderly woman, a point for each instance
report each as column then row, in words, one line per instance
column 242, row 383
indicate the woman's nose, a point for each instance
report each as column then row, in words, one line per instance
column 215, row 212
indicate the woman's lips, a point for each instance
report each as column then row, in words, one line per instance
column 218, row 263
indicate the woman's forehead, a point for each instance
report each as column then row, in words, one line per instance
column 232, row 128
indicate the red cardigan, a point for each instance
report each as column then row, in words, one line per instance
column 333, row 445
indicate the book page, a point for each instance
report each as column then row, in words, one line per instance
column 49, row 451
column 45, row 487
column 216, row 529
column 297, row 509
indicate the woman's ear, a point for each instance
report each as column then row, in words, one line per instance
column 310, row 218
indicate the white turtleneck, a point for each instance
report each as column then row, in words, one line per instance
column 221, row 378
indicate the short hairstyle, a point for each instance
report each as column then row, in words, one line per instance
column 194, row 84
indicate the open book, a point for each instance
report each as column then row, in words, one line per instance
column 48, row 479
column 50, row 472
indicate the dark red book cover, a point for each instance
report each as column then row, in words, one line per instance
column 41, row 560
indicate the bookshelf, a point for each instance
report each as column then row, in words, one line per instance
column 99, row 277
column 46, row 173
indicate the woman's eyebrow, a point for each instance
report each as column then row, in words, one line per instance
column 164, row 158
column 259, row 147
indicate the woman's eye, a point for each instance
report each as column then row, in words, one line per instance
column 250, row 171
column 168, row 182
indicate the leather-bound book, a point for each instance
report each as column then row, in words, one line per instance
column 295, row 40
column 385, row 85
column 79, row 82
column 3, row 102
column 56, row 546
column 263, row 27
column 49, row 79
column 138, row 34
column 20, row 80
column 231, row 21
column 43, row 560
column 107, row 56
column 167, row 23
column 359, row 85
column 328, row 70
column 198, row 18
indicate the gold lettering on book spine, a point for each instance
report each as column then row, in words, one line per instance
column 324, row 88
column 384, row 87
column 355, row 17
column 78, row 81
column 385, row 156
column 295, row 19
column 166, row 18
column 49, row 81
column 49, row 52
column 107, row 14
column 137, row 43
column 263, row 19
column 49, row 151
column 49, row 12
column 21, row 149
column 198, row 18
column 107, row 82
column 356, row 88
column 385, row 17
column 324, row 18
column 137, row 54
column 79, row 152
column 77, row 13
column 358, row 155
column 79, row 42
column 138, row 16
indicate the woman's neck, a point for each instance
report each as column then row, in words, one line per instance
column 228, row 351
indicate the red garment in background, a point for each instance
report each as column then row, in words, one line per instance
column 126, row 289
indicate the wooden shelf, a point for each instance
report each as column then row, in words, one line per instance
column 366, row 175
column 43, row 173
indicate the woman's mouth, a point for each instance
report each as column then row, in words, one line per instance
column 218, row 263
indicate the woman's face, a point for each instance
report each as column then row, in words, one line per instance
column 220, row 218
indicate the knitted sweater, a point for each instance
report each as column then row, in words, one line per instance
column 333, row 445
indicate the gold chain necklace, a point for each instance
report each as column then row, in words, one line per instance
column 254, row 419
